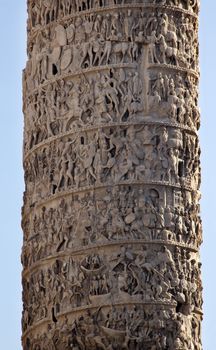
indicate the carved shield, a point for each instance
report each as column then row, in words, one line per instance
column 130, row 218
column 61, row 36
column 88, row 27
column 70, row 32
column 66, row 59
column 55, row 55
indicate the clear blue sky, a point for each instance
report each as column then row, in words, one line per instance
column 12, row 61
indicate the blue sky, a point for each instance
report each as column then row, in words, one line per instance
column 12, row 61
column 207, row 137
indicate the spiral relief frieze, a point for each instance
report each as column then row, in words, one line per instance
column 111, row 214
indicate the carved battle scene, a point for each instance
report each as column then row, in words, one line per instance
column 124, row 36
column 111, row 214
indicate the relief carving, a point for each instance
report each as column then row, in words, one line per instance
column 111, row 214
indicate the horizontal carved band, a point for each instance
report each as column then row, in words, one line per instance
column 112, row 8
column 91, row 249
column 80, row 73
column 65, row 194
column 174, row 68
column 104, row 126
column 89, row 307
column 108, row 67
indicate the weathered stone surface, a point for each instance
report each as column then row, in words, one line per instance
column 112, row 170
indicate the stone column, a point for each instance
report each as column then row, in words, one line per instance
column 112, row 172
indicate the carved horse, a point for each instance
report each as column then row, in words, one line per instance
column 121, row 49
column 168, row 51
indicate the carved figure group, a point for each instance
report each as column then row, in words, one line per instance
column 113, row 155
column 111, row 214
column 111, row 39
column 140, row 215
column 41, row 14
column 159, row 273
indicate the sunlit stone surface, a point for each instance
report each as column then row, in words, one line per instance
column 112, row 171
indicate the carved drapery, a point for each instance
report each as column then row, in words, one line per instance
column 112, row 172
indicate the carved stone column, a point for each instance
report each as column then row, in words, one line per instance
column 112, row 171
